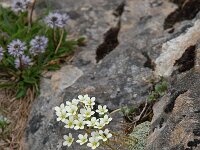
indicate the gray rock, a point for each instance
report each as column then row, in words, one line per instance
column 174, row 49
column 176, row 126
column 126, row 44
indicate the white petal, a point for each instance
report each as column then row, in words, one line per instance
column 70, row 135
column 65, row 143
column 57, row 108
column 80, row 136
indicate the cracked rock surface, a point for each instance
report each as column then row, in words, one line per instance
column 125, row 42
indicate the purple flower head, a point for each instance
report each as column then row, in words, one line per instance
column 20, row 5
column 64, row 19
column 23, row 61
column 56, row 20
column 38, row 45
column 16, row 48
column 53, row 20
column 1, row 53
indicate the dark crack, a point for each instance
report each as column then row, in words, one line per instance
column 109, row 44
column 111, row 36
column 35, row 123
column 187, row 10
column 149, row 63
column 187, row 60
column 169, row 107
column 193, row 144
column 196, row 132
column 119, row 10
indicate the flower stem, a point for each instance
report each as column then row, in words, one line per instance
column 87, row 131
column 60, row 41
column 20, row 66
column 31, row 13
column 54, row 36
column 114, row 111
column 119, row 142
column 20, row 63
column 118, row 135
column 108, row 145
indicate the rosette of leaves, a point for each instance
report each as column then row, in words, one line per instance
column 18, row 26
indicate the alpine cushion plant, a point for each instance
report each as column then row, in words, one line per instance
column 27, row 48
column 79, row 114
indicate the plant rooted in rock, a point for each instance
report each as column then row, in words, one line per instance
column 79, row 114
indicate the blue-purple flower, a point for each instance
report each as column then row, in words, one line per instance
column 20, row 5
column 16, row 48
column 22, row 61
column 1, row 53
column 38, row 45
column 56, row 20
column 64, row 19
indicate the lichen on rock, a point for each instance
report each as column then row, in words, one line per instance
column 140, row 132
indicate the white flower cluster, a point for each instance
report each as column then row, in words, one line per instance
column 79, row 115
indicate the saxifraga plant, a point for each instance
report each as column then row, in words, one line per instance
column 28, row 47
column 82, row 115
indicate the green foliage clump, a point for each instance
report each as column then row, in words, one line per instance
column 19, row 26
column 159, row 90
column 140, row 132
column 3, row 122
column 128, row 110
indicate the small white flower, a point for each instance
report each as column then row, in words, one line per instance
column 68, row 140
column 82, row 139
column 69, row 123
column 79, row 124
column 106, row 119
column 92, row 122
column 61, row 116
column 99, row 124
column 95, row 134
column 90, row 102
column 71, row 110
column 61, row 108
column 94, row 142
column 84, row 98
column 87, row 112
column 81, row 116
column 104, row 135
column 102, row 109
column 74, row 102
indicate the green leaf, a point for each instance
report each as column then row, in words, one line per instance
column 53, row 67
column 161, row 88
column 3, row 124
column 152, row 96
column 30, row 80
column 81, row 41
column 7, row 85
column 21, row 93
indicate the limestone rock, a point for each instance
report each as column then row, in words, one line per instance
column 128, row 39
column 173, row 50
column 177, row 126
column 65, row 77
